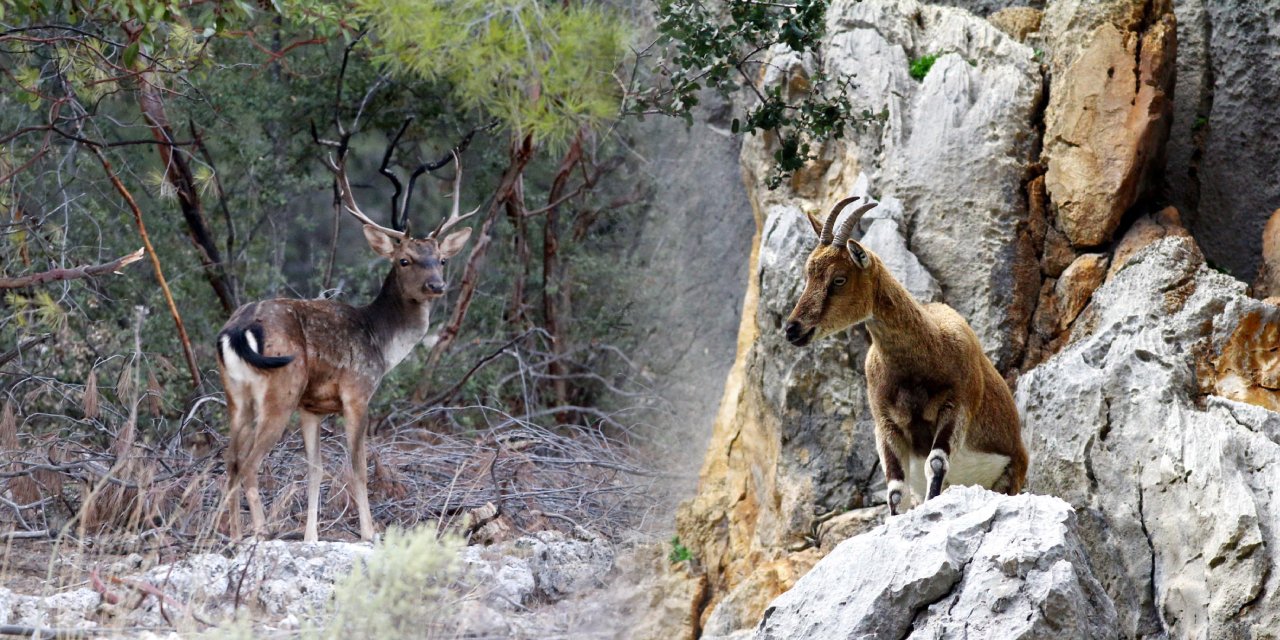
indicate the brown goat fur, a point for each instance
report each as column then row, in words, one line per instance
column 943, row 414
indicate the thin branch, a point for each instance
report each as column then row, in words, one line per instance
column 73, row 273
column 155, row 265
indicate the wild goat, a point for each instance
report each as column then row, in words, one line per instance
column 322, row 357
column 942, row 413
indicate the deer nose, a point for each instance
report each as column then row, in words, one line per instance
column 435, row 287
column 793, row 331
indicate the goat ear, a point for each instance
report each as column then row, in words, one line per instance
column 858, row 254
column 380, row 242
column 815, row 223
column 453, row 242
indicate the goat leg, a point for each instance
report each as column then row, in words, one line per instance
column 893, row 448
column 939, row 460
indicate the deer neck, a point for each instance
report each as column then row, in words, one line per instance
column 898, row 324
column 396, row 324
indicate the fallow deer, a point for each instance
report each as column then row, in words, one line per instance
column 320, row 357
column 943, row 415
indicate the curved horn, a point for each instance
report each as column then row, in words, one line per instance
column 830, row 223
column 842, row 234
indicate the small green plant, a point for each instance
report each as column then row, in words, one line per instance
column 1037, row 54
column 1200, row 123
column 679, row 552
column 920, row 66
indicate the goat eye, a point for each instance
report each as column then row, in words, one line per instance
column 404, row 262
column 839, row 282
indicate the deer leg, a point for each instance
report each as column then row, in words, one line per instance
column 893, row 449
column 271, row 424
column 310, row 424
column 354, row 418
column 939, row 460
column 241, row 415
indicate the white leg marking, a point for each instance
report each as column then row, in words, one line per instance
column 898, row 495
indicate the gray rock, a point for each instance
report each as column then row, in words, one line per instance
column 1237, row 173
column 507, row 581
column 1175, row 490
column 970, row 563
column 563, row 566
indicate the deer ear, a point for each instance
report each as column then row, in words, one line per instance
column 453, row 242
column 381, row 243
column 858, row 254
column 815, row 223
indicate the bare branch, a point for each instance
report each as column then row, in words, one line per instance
column 73, row 273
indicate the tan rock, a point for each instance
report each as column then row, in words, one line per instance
column 1268, row 281
column 1018, row 22
column 1248, row 364
column 1146, row 230
column 744, row 605
column 849, row 524
column 1106, row 121
column 1077, row 285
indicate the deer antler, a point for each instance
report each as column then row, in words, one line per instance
column 454, row 218
column 830, row 223
column 842, row 234
column 338, row 166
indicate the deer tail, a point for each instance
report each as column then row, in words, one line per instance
column 246, row 343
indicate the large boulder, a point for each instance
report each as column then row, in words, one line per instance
column 970, row 563
column 1174, row 483
column 1224, row 151
column 1110, row 105
column 792, row 444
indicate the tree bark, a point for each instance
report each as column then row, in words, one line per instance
column 551, row 281
column 178, row 173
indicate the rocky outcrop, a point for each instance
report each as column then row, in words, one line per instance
column 792, row 443
column 1174, row 487
column 1110, row 100
column 1223, row 153
column 282, row 584
column 970, row 563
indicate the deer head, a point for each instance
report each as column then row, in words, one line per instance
column 417, row 263
column 840, row 277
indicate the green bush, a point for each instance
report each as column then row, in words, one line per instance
column 920, row 66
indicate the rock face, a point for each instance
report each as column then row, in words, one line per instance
column 970, row 563
column 1224, row 152
column 1109, row 110
column 793, row 443
column 1175, row 489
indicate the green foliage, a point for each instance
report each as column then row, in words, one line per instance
column 406, row 589
column 920, row 66
column 679, row 552
column 543, row 69
column 720, row 47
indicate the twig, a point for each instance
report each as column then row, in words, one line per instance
column 155, row 265
column 43, row 633
column 448, row 393
column 73, row 273
column 24, row 535
column 27, row 344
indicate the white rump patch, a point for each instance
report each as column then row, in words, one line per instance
column 237, row 369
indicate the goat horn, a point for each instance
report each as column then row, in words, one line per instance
column 842, row 234
column 830, row 223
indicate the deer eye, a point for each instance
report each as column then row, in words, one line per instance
column 404, row 262
column 444, row 261
column 838, row 281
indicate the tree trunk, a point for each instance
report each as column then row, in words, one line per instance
column 551, row 282
column 178, row 173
